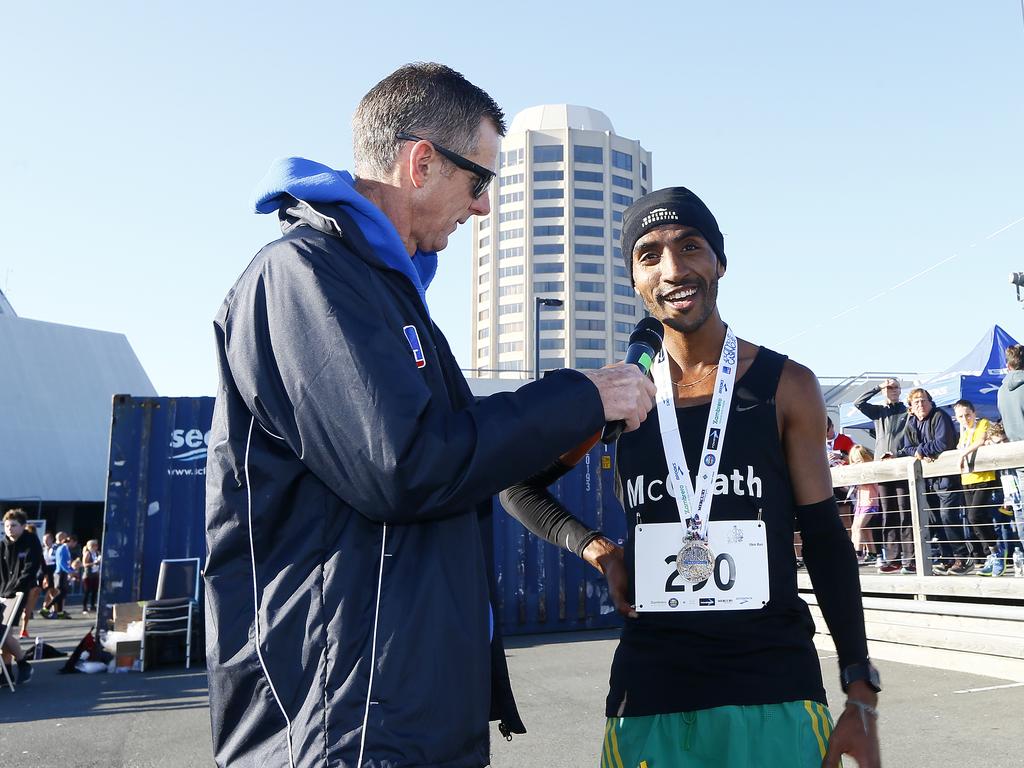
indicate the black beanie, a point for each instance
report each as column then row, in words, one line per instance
column 672, row 205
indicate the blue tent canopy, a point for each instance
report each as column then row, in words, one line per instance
column 975, row 377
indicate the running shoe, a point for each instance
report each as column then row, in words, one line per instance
column 962, row 567
column 998, row 567
column 24, row 634
column 986, row 569
column 889, row 568
column 940, row 568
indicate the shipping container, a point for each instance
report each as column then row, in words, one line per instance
column 155, row 510
column 155, row 493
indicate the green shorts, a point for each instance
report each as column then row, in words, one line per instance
column 793, row 734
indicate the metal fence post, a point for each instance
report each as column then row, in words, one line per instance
column 919, row 520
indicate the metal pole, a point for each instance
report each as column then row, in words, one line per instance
column 536, row 337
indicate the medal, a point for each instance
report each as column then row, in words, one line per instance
column 695, row 561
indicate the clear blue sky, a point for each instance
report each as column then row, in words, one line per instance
column 843, row 147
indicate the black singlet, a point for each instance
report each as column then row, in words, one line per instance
column 679, row 662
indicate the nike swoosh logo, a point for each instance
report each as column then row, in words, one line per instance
column 741, row 408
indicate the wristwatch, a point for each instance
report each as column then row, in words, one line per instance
column 865, row 671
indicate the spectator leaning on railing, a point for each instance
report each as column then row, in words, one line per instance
column 929, row 432
column 1011, row 411
column 890, row 419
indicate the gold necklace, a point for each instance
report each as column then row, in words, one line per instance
column 679, row 385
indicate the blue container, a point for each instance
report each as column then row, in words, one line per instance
column 542, row 588
column 155, row 506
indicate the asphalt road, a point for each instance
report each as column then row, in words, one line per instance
column 930, row 717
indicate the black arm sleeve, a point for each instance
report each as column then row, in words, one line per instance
column 532, row 504
column 832, row 566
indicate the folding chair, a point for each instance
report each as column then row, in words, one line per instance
column 11, row 615
column 177, row 597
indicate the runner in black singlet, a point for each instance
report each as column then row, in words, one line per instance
column 734, row 685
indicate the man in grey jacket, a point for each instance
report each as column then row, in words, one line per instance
column 1010, row 399
column 348, row 578
column 890, row 420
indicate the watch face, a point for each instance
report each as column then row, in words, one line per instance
column 865, row 672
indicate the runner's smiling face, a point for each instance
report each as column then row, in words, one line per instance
column 676, row 274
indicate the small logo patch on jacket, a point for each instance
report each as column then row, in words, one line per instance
column 413, row 337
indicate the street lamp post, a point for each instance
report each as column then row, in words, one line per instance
column 541, row 302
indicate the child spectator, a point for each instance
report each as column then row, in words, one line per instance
column 864, row 509
column 979, row 487
column 1007, row 536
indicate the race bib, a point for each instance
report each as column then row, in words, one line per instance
column 739, row 581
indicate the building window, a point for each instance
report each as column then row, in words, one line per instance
column 617, row 252
column 511, row 197
column 510, row 234
column 622, row 181
column 485, row 223
column 551, row 230
column 510, row 253
column 622, row 160
column 549, row 286
column 552, row 343
column 552, row 363
column 588, row 213
column 552, row 325
column 548, row 153
column 617, row 216
column 589, row 343
column 625, row 309
column 621, row 200
column 587, row 268
column 512, row 157
column 616, row 234
column 621, row 346
column 584, row 154
column 510, row 309
column 485, row 241
column 589, row 362
column 483, row 278
column 549, row 194
column 510, row 346
column 484, row 260
column 510, row 365
column 621, row 327
column 593, row 176
column 643, row 190
column 589, row 305
column 643, row 171
column 583, row 249
column 582, row 230
column 548, row 175
column 548, row 212
column 483, row 296
column 510, row 290
column 547, row 250
column 510, row 271
column 589, row 194
column 624, row 290
column 483, row 333
column 483, row 314
column 546, row 268
column 510, row 327
column 511, row 215
column 590, row 325
column 513, row 178
column 484, row 351
column 617, row 269
column 588, row 286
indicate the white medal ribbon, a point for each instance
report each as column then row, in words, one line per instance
column 694, row 503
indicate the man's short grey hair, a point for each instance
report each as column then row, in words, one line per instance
column 429, row 100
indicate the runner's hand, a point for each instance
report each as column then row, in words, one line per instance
column 850, row 738
column 607, row 557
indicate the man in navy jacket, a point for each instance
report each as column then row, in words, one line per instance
column 350, row 472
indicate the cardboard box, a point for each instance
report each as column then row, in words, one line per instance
column 127, row 653
column 125, row 613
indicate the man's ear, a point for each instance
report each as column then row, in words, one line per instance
column 721, row 269
column 421, row 154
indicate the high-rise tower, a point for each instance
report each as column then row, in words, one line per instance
column 554, row 233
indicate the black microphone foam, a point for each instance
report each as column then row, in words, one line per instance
column 644, row 345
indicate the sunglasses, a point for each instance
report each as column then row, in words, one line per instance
column 483, row 176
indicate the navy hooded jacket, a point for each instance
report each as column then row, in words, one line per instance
column 349, row 487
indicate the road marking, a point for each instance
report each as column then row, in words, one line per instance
column 990, row 688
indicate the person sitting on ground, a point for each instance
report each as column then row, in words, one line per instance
column 20, row 559
column 865, row 507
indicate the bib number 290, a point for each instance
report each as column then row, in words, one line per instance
column 674, row 581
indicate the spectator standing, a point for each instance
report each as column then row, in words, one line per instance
column 20, row 559
column 33, row 596
column 890, row 420
column 53, row 608
column 929, row 432
column 979, row 487
column 91, row 558
column 1011, row 410
column 1006, row 533
column 865, row 507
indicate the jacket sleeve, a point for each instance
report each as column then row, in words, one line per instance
column 911, row 439
column 30, row 565
column 325, row 370
column 871, row 411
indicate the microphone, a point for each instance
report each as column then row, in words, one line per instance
column 644, row 345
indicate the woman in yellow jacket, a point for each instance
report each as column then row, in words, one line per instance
column 979, row 489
